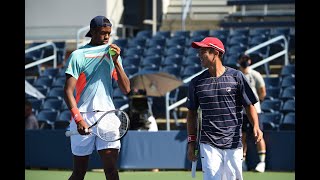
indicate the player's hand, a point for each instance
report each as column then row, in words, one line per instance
column 117, row 50
column 191, row 155
column 258, row 134
column 82, row 128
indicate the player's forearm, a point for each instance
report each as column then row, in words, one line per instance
column 123, row 80
column 252, row 115
column 191, row 122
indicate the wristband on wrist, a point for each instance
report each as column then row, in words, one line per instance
column 191, row 138
column 75, row 113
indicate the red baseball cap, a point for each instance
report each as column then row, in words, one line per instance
column 211, row 42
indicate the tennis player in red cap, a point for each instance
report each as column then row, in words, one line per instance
column 221, row 92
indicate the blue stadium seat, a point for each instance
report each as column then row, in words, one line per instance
column 271, row 118
column 48, row 116
column 272, row 81
column 52, row 104
column 269, row 105
column 45, row 124
column 288, row 70
column 203, row 33
column 259, row 31
column 287, row 81
column 53, row 72
column 288, row 93
column 156, row 43
column 122, row 43
column 272, row 92
column 43, row 81
column 191, row 60
column 136, row 42
column 163, row 34
column 288, row 106
column 176, row 42
column 150, row 68
column 36, row 103
column 42, row 89
column 63, row 120
column 133, row 51
column 231, row 60
column 145, row 34
column 237, row 40
column 130, row 71
column 56, row 93
column 172, row 51
column 189, row 71
column 174, row 70
column 151, row 61
column 173, row 61
column 131, row 61
column 58, row 82
column 181, row 33
column 219, row 33
column 192, row 51
column 235, row 49
column 288, row 123
column 239, row 32
column 157, row 50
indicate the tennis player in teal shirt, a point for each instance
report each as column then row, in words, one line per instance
column 89, row 73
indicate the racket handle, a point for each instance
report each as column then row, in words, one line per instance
column 70, row 133
column 193, row 169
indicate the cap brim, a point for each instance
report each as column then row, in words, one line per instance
column 88, row 34
column 199, row 45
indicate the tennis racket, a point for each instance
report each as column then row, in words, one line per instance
column 197, row 147
column 111, row 126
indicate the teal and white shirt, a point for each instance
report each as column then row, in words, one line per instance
column 94, row 69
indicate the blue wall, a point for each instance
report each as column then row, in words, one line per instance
column 148, row 150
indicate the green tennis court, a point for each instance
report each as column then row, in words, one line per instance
column 147, row 175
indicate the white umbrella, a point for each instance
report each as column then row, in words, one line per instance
column 155, row 83
column 32, row 91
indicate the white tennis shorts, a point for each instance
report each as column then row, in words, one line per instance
column 221, row 164
column 82, row 145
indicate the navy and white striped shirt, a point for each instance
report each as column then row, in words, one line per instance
column 221, row 100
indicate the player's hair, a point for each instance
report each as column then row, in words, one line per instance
column 244, row 57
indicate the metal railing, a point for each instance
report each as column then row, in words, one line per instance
column 263, row 61
column 185, row 9
column 46, row 59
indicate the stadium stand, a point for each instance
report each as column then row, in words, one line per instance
column 288, row 123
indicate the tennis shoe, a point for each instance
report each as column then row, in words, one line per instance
column 261, row 167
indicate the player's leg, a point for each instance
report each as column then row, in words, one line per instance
column 81, row 148
column 80, row 166
column 233, row 163
column 109, row 159
column 245, row 127
column 109, row 152
column 212, row 162
column 261, row 148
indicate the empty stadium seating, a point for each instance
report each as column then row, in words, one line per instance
column 171, row 51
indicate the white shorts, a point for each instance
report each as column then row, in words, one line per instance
column 220, row 164
column 82, row 145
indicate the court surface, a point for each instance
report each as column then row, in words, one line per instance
column 147, row 175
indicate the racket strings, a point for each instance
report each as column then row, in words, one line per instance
column 112, row 126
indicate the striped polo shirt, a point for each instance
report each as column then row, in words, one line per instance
column 93, row 68
column 221, row 100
